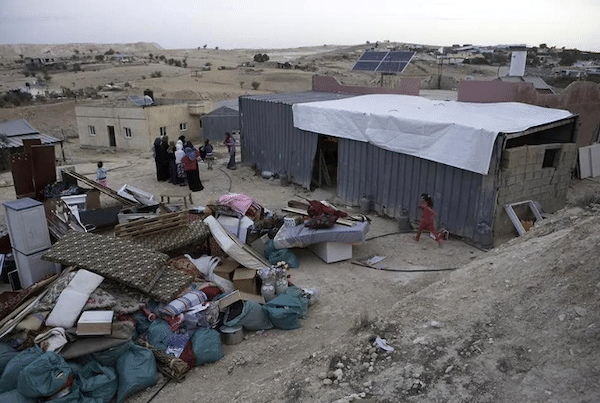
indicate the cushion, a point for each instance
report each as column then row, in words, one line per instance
column 98, row 299
column 73, row 298
column 193, row 234
column 171, row 282
column 116, row 258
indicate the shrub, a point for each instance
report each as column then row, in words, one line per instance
column 156, row 74
column 260, row 58
column 588, row 199
column 255, row 85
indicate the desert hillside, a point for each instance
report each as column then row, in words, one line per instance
column 8, row 52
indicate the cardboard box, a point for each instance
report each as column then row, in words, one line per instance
column 245, row 280
column 95, row 323
column 238, row 295
column 332, row 251
column 226, row 268
column 259, row 245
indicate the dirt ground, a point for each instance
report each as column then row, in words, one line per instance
column 517, row 323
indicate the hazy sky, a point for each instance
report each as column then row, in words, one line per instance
column 282, row 23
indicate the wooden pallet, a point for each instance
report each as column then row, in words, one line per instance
column 152, row 225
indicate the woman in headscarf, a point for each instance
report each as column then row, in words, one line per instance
column 172, row 165
column 162, row 159
column 179, row 153
column 156, row 155
column 190, row 163
column 230, row 143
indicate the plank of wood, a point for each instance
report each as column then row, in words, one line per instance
column 298, row 204
column 107, row 191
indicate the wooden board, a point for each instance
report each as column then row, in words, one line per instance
column 107, row 191
column 152, row 225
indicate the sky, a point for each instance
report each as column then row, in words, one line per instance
column 273, row 24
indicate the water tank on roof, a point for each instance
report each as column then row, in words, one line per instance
column 150, row 93
column 517, row 63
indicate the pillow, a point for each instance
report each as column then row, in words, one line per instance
column 72, row 299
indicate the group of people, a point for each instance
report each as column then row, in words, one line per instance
column 177, row 162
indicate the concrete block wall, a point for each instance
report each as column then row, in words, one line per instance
column 523, row 177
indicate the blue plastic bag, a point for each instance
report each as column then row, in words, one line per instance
column 159, row 334
column 10, row 376
column 97, row 382
column 136, row 370
column 13, row 396
column 44, row 376
column 252, row 318
column 6, row 354
column 207, row 346
column 286, row 310
column 277, row 255
column 108, row 358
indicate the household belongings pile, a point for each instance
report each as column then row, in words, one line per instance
column 122, row 311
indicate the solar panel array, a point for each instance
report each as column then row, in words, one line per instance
column 141, row 101
column 383, row 62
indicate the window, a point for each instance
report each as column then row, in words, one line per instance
column 92, row 130
column 163, row 131
column 182, row 127
column 127, row 132
column 551, row 158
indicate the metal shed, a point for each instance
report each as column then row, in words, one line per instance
column 269, row 138
column 221, row 120
column 468, row 203
column 12, row 135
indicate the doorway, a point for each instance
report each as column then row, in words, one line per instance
column 112, row 140
column 325, row 164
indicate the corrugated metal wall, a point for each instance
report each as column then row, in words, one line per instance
column 465, row 201
column 270, row 140
column 215, row 125
column 462, row 199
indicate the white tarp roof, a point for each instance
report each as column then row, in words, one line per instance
column 458, row 134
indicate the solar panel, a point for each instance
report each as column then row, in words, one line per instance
column 383, row 62
column 139, row 101
column 399, row 56
column 365, row 66
column 372, row 56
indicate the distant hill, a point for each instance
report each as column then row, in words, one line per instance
column 9, row 52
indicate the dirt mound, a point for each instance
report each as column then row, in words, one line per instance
column 520, row 324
